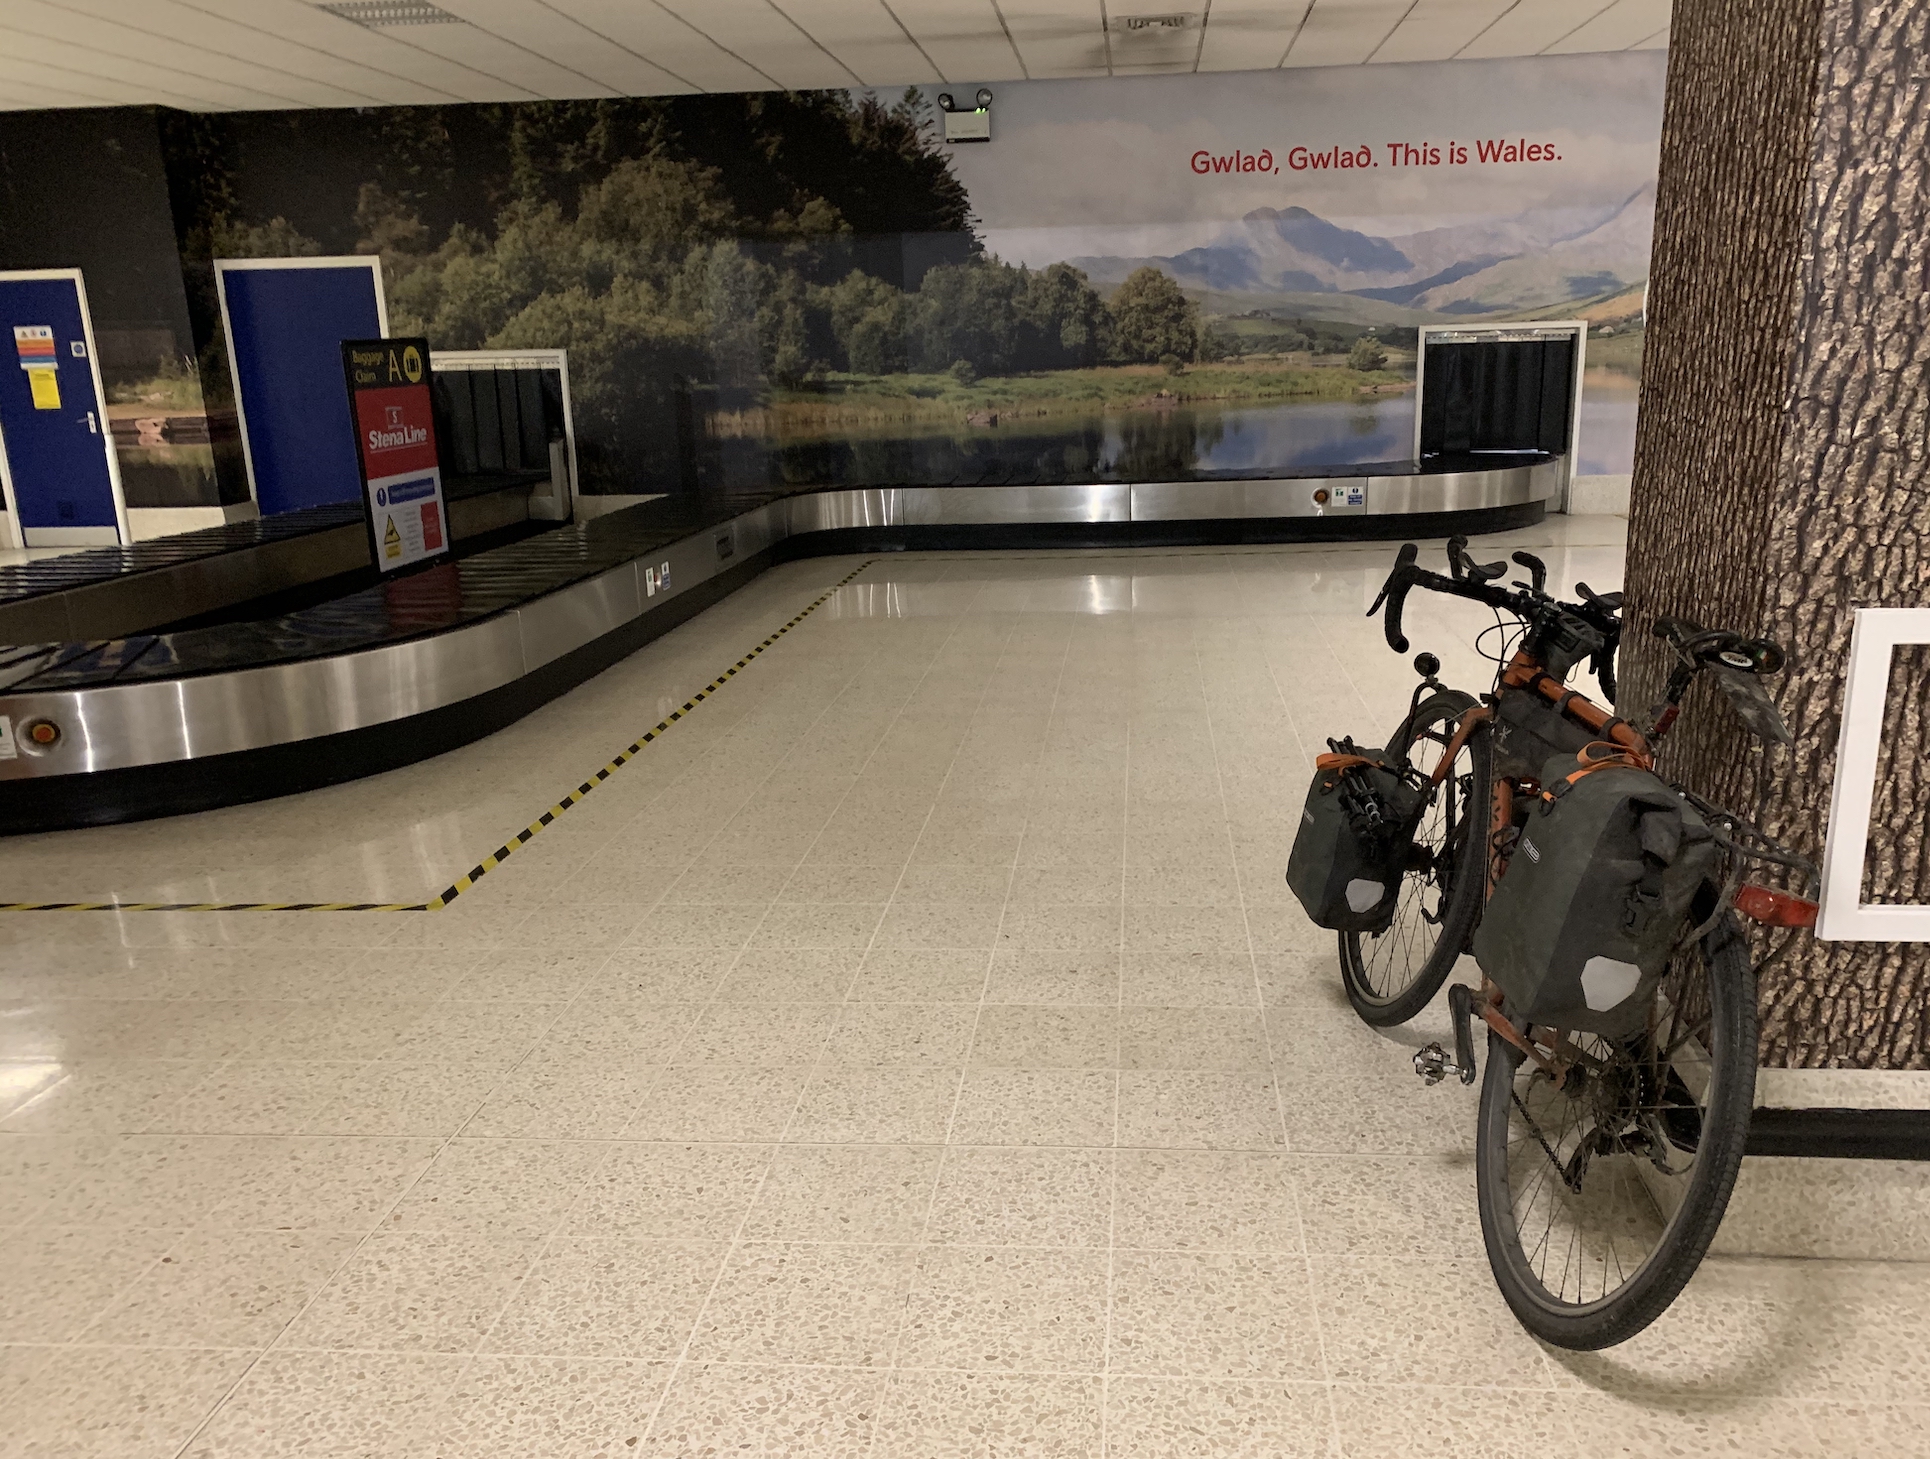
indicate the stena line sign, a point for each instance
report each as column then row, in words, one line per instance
column 393, row 406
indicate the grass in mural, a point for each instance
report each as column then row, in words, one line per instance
column 1620, row 353
column 840, row 401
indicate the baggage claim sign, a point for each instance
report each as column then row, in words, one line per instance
column 395, row 446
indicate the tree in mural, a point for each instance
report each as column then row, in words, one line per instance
column 1152, row 318
column 1367, row 354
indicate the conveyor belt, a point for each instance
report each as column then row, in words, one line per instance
column 149, row 724
column 105, row 592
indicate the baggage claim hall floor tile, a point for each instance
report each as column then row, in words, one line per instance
column 913, row 1050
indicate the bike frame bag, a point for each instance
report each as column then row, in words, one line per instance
column 1582, row 923
column 1351, row 849
column 1528, row 731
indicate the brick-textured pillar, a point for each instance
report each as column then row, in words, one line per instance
column 1782, row 463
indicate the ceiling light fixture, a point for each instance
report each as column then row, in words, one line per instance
column 378, row 13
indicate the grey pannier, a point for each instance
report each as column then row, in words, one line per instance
column 1582, row 923
column 1355, row 830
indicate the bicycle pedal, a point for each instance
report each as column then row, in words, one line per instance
column 1433, row 1065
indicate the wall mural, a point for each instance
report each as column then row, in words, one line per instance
column 1312, row 220
column 1153, row 278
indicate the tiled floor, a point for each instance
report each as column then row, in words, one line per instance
column 914, row 1053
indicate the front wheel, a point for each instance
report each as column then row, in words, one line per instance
column 1393, row 974
column 1600, row 1190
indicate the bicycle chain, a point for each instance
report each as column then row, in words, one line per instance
column 1554, row 1160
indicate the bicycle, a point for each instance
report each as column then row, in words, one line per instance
column 1603, row 1165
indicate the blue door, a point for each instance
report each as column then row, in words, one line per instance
column 286, row 322
column 56, row 436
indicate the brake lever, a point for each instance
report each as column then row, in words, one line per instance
column 1394, row 594
column 1402, row 560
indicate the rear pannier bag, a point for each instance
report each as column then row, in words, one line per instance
column 1582, row 923
column 1527, row 731
column 1352, row 846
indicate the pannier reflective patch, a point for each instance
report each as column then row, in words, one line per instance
column 1607, row 982
column 1362, row 894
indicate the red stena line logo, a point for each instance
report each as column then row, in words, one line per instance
column 396, row 434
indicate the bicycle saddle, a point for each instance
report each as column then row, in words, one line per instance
column 1720, row 646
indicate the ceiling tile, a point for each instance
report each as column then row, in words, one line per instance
column 256, row 57
column 70, row 37
column 1247, row 37
column 665, row 40
column 381, row 50
column 1657, row 42
column 767, row 38
column 474, row 45
column 145, row 79
column 1345, row 32
column 221, row 54
column 1058, row 37
column 1532, row 26
column 964, row 38
column 1153, row 48
column 1437, row 28
column 866, row 37
column 588, row 61
column 1624, row 24
column 45, row 86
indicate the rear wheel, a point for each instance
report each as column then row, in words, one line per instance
column 1600, row 1194
column 1392, row 975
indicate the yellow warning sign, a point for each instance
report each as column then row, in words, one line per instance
column 45, row 385
column 391, row 541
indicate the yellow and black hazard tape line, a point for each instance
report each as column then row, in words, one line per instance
column 502, row 853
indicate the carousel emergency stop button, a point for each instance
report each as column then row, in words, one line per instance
column 39, row 735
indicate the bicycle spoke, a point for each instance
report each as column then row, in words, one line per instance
column 1391, row 961
column 1595, row 1173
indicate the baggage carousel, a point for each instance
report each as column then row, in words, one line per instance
column 119, row 705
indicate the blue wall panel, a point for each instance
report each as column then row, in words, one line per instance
column 285, row 333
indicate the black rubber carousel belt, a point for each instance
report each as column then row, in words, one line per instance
column 100, row 564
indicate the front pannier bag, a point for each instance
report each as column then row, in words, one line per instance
column 1582, row 923
column 1351, row 850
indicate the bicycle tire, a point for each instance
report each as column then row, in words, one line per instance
column 1386, row 1001
column 1722, row 1131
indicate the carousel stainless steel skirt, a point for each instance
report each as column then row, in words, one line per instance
column 332, row 701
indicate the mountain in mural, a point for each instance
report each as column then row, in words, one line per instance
column 1531, row 260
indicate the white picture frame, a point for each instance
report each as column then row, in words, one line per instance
column 1875, row 635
